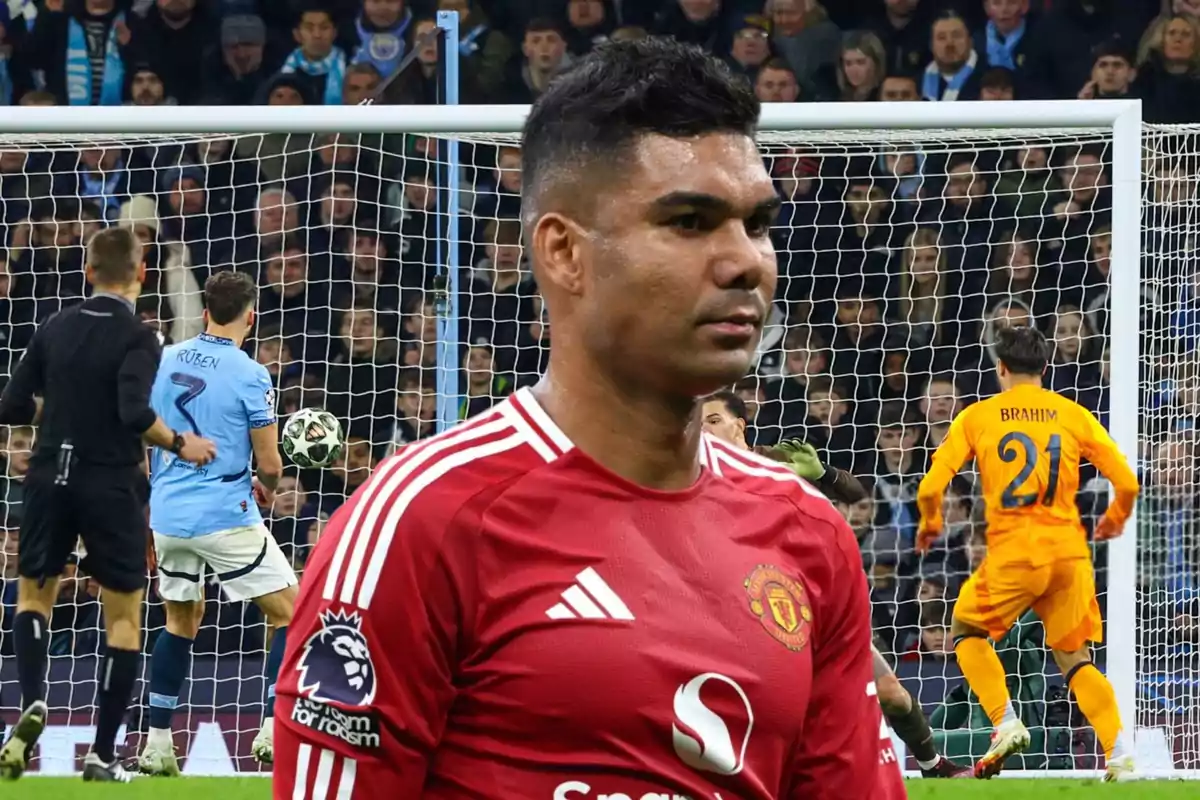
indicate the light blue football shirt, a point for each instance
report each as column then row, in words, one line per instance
column 209, row 387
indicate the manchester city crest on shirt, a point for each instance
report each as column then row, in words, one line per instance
column 781, row 604
column 336, row 665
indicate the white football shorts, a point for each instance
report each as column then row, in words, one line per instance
column 247, row 561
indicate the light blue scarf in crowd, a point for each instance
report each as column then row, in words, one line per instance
column 333, row 66
column 79, row 66
column 1003, row 53
column 931, row 87
column 384, row 50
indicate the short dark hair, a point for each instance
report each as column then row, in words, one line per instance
column 778, row 64
column 114, row 254
column 733, row 404
column 997, row 78
column 1023, row 349
column 543, row 25
column 1113, row 48
column 593, row 113
column 228, row 294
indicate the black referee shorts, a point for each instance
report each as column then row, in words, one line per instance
column 104, row 506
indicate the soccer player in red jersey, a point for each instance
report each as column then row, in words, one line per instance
column 578, row 594
column 724, row 415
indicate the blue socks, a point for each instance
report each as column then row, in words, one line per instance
column 274, row 660
column 168, row 668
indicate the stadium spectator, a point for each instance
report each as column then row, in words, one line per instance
column 751, row 44
column 1112, row 73
column 18, row 447
column 83, row 53
column 701, row 22
column 899, row 88
column 484, row 49
column 997, row 83
column 416, row 410
column 898, row 469
column 1005, row 41
column 860, row 67
column 238, row 64
column 317, row 63
column 1060, row 54
column 590, row 22
column 173, row 36
column 903, row 27
column 955, row 71
column 544, row 52
column 380, row 35
column 776, row 83
column 803, row 36
column 169, row 277
column 1168, row 70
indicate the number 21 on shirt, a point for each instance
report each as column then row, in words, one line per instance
column 1017, row 445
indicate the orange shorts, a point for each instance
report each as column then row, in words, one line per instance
column 1062, row 593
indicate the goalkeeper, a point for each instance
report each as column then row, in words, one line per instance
column 724, row 416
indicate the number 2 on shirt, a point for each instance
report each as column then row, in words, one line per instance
column 193, row 387
column 1009, row 453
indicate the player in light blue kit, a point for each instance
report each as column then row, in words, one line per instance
column 208, row 517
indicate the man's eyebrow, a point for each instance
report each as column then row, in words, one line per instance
column 708, row 202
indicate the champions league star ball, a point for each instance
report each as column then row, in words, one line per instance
column 312, row 438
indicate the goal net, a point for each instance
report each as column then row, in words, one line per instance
column 900, row 253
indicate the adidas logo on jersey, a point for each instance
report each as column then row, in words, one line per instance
column 590, row 598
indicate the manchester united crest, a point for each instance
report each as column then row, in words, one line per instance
column 781, row 605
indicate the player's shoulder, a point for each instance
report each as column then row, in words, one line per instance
column 462, row 470
column 749, row 472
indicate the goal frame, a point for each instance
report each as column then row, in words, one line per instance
column 1122, row 117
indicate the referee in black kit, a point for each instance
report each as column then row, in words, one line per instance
column 93, row 365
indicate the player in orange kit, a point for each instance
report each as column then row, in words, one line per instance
column 1027, row 443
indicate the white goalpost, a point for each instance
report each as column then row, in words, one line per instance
column 401, row 305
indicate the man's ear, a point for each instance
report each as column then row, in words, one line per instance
column 141, row 272
column 741, row 426
column 557, row 244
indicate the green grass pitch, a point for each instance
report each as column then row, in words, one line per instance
column 260, row 789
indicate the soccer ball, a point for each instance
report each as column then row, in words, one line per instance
column 312, row 438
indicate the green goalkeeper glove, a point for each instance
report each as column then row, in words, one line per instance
column 802, row 459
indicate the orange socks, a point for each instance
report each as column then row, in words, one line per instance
column 985, row 674
column 1098, row 703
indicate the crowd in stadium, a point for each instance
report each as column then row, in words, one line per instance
column 896, row 265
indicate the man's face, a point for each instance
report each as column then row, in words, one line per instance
column 315, row 34
column 8, row 552
column 940, row 403
column 787, row 16
column 699, row 10
column 1112, row 74
column 1083, row 175
column 20, row 448
column 951, row 43
column 147, row 89
column 244, row 58
column 898, row 90
column 276, row 214
column 585, row 14
column 187, row 198
column 751, row 46
column 355, row 463
column 339, row 204
column 963, row 185
column 508, row 170
column 860, row 514
column 996, row 93
column 383, row 13
column 893, row 439
column 544, row 49
column 289, row 497
column 427, row 51
column 504, row 257
column 719, row 422
column 677, row 268
column 365, row 256
column 176, row 9
column 358, row 87
column 1011, row 317
column 1102, row 252
column 286, row 273
column 776, row 86
column 285, row 96
column 1007, row 14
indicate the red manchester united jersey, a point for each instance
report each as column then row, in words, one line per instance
column 495, row 615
